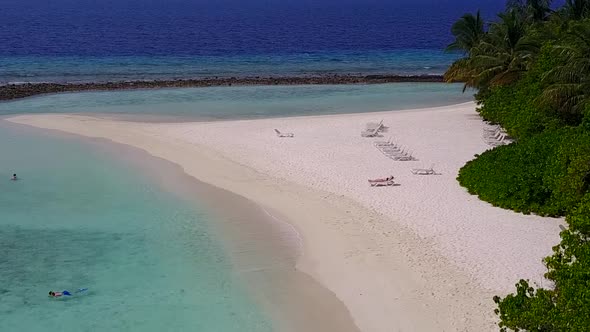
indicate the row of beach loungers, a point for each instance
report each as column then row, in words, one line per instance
column 388, row 148
column 394, row 151
column 495, row 136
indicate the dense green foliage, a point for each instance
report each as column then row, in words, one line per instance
column 532, row 72
column 567, row 306
column 516, row 106
column 546, row 174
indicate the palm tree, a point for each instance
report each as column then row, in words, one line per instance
column 538, row 10
column 569, row 82
column 501, row 56
column 468, row 31
column 463, row 71
column 577, row 9
column 532, row 10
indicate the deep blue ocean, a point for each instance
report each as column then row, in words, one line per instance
column 100, row 40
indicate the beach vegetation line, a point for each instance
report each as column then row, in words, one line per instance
column 531, row 70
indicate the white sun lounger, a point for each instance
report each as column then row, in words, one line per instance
column 373, row 125
column 503, row 139
column 396, row 153
column 279, row 134
column 424, row 171
column 390, row 149
column 495, row 136
column 383, row 143
column 404, row 158
column 383, row 184
column 373, row 131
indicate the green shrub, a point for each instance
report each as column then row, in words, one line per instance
column 568, row 171
column 586, row 119
column 546, row 174
column 567, row 306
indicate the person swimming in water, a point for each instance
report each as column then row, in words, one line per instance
column 14, row 177
column 59, row 294
column 66, row 293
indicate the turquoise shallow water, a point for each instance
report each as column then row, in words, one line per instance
column 247, row 101
column 82, row 218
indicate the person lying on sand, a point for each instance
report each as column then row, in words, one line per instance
column 389, row 178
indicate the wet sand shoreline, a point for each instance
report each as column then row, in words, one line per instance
column 263, row 249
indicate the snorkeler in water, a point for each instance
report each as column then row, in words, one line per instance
column 66, row 293
column 14, row 177
column 59, row 294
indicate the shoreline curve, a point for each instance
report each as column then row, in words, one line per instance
column 423, row 256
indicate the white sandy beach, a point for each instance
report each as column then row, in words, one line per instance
column 422, row 256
